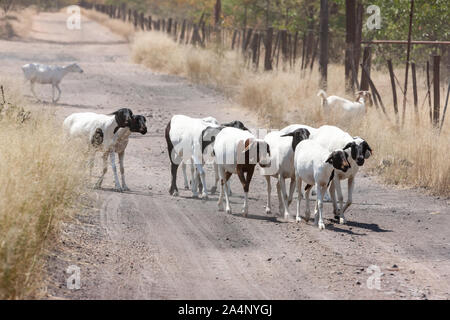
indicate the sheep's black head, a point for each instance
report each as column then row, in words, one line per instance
column 339, row 160
column 97, row 137
column 298, row 136
column 209, row 135
column 235, row 124
column 360, row 150
column 123, row 117
column 138, row 124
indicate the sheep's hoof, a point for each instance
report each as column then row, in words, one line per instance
column 204, row 196
column 186, row 187
column 220, row 206
column 286, row 216
column 228, row 210
column 342, row 221
column 268, row 211
column 321, row 226
column 125, row 188
column 118, row 189
column 298, row 219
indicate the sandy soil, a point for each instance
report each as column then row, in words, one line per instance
column 147, row 244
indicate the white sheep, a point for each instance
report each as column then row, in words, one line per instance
column 86, row 124
column 282, row 148
column 238, row 151
column 333, row 138
column 45, row 74
column 184, row 137
column 335, row 103
column 315, row 165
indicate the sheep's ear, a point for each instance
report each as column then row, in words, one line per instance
column 368, row 152
column 288, row 135
column 349, row 145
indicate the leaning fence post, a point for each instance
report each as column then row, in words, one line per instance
column 394, row 91
column 445, row 109
column 436, row 93
column 364, row 85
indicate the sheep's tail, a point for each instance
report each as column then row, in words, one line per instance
column 323, row 97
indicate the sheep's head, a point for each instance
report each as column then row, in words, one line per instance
column 97, row 137
column 209, row 136
column 235, row 124
column 366, row 96
column 339, row 160
column 360, row 150
column 298, row 136
column 123, row 117
column 137, row 124
column 75, row 68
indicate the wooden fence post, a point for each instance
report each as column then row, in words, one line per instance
column 142, row 21
column 429, row 92
column 323, row 58
column 394, row 91
column 284, row 49
column 414, row 79
column 149, row 27
column 349, row 42
column 436, row 93
column 408, row 50
column 268, row 46
column 364, row 85
column 183, row 31
column 135, row 16
column 233, row 40
column 169, row 25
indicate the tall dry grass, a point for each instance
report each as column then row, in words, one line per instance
column 414, row 155
column 119, row 27
column 17, row 23
column 40, row 181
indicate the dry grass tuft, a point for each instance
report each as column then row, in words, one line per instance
column 119, row 27
column 40, row 181
column 414, row 156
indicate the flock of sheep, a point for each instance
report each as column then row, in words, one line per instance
column 319, row 157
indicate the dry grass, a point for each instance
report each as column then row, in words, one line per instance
column 119, row 27
column 16, row 23
column 40, row 181
column 414, row 156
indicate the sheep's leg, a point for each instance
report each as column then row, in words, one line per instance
column 225, row 186
column 299, row 200
column 186, row 182
column 216, row 179
column 319, row 204
column 122, row 171
column 291, row 190
column 116, row 177
column 337, row 184
column 203, row 180
column 269, row 189
column 98, row 185
column 247, row 180
column 221, row 176
column 332, row 191
column 351, row 185
column 53, row 93
column 284, row 196
column 280, row 205
column 59, row 92
column 307, row 209
column 173, row 186
column 32, row 90
column 194, row 181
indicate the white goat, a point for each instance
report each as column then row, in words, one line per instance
column 315, row 165
column 238, row 151
column 86, row 124
column 44, row 74
column 339, row 104
column 333, row 138
column 184, row 137
column 282, row 148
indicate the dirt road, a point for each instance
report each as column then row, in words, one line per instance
column 147, row 244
